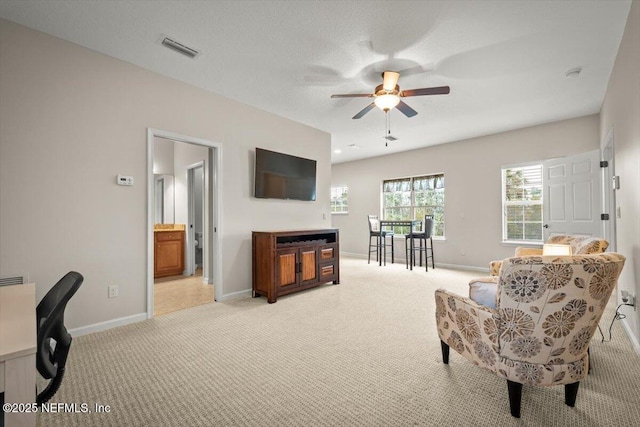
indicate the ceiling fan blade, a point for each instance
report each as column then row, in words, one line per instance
column 353, row 95
column 390, row 80
column 406, row 110
column 364, row 111
column 440, row 90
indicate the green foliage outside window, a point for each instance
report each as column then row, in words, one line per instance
column 522, row 203
column 413, row 198
column 339, row 200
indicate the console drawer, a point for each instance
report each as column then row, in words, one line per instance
column 327, row 253
column 165, row 236
column 328, row 270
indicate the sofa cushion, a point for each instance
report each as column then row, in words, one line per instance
column 483, row 290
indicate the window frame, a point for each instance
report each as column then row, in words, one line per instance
column 413, row 207
column 525, row 203
column 344, row 198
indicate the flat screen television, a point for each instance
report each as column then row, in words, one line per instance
column 282, row 176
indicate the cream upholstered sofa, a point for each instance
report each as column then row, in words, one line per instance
column 580, row 245
column 547, row 309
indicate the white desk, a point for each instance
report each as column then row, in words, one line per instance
column 18, row 350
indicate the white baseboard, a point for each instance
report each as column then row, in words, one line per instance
column 96, row 327
column 463, row 267
column 235, row 295
column 353, row 255
column 634, row 341
column 438, row 264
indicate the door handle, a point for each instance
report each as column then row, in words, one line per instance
column 546, row 226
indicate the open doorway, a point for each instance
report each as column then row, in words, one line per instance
column 183, row 222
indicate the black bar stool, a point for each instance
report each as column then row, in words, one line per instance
column 425, row 243
column 380, row 247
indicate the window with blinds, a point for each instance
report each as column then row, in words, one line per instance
column 339, row 200
column 522, row 204
column 413, row 198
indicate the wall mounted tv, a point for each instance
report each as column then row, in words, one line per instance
column 282, row 176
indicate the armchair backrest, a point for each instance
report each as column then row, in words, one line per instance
column 548, row 310
column 581, row 245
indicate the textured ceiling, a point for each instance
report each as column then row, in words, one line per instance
column 505, row 61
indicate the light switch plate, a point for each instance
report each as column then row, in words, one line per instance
column 124, row 180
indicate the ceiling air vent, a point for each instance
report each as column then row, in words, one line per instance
column 178, row 47
column 390, row 138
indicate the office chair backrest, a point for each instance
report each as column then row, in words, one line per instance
column 50, row 324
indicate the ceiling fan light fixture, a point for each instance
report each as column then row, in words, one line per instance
column 390, row 80
column 387, row 101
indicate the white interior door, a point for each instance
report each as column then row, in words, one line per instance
column 572, row 195
column 195, row 198
column 608, row 192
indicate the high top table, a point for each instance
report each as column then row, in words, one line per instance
column 402, row 222
column 18, row 350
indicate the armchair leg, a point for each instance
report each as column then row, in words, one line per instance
column 445, row 352
column 570, row 393
column 515, row 396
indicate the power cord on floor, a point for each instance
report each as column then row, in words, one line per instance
column 618, row 316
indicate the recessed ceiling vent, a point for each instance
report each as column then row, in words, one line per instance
column 179, row 47
column 390, row 138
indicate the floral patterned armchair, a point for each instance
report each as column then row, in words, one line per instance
column 580, row 245
column 547, row 310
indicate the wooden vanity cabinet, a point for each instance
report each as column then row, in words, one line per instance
column 290, row 261
column 168, row 253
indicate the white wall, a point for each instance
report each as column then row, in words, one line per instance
column 163, row 156
column 621, row 112
column 71, row 119
column 472, row 170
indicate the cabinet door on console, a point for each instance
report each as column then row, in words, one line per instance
column 309, row 265
column 286, row 268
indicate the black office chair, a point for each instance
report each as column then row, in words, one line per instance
column 380, row 247
column 425, row 243
column 50, row 324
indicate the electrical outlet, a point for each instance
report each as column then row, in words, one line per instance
column 628, row 298
column 113, row 291
column 624, row 295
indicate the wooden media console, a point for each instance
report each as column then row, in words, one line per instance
column 284, row 262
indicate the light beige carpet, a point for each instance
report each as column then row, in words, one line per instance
column 362, row 353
